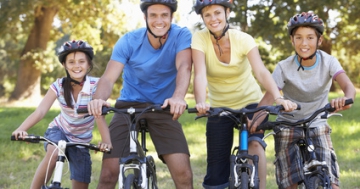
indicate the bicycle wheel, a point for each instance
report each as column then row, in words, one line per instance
column 244, row 180
column 130, row 182
column 315, row 182
column 151, row 173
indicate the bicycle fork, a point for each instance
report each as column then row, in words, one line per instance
column 133, row 162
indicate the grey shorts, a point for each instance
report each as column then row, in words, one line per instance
column 166, row 134
column 289, row 169
column 79, row 158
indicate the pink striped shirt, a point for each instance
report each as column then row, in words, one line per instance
column 73, row 125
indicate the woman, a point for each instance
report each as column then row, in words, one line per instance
column 224, row 59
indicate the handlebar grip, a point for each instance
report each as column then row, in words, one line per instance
column 82, row 110
column 298, row 107
column 29, row 138
column 192, row 110
column 349, row 101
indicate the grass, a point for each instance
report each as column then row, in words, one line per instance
column 20, row 160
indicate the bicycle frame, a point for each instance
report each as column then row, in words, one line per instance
column 143, row 166
column 242, row 173
column 315, row 172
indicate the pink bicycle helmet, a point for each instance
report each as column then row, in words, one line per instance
column 72, row 46
column 200, row 4
column 170, row 3
column 306, row 19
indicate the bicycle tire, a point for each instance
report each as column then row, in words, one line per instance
column 315, row 182
column 130, row 182
column 152, row 179
column 244, row 180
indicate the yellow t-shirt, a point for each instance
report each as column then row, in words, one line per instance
column 230, row 85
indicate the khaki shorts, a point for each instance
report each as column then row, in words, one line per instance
column 166, row 134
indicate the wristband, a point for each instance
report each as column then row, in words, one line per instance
column 280, row 97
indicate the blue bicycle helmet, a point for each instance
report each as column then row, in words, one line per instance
column 306, row 19
column 170, row 3
column 200, row 4
column 72, row 46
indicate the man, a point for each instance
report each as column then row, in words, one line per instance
column 156, row 66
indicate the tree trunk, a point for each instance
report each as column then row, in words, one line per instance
column 326, row 46
column 28, row 78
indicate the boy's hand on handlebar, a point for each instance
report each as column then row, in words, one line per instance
column 19, row 134
column 339, row 104
column 177, row 106
column 95, row 107
column 287, row 104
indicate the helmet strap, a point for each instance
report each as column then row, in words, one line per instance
column 308, row 58
column 74, row 81
column 155, row 36
column 217, row 38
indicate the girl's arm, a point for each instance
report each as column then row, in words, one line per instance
column 37, row 115
column 200, row 81
column 104, row 132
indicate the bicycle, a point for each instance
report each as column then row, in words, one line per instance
column 243, row 175
column 61, row 146
column 136, row 170
column 316, row 172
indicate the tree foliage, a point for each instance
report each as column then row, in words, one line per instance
column 26, row 27
column 267, row 20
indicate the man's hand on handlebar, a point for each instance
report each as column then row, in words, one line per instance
column 95, row 106
column 177, row 106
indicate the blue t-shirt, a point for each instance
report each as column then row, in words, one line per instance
column 149, row 74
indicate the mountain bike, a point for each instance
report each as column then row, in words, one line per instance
column 243, row 175
column 136, row 170
column 61, row 146
column 316, row 172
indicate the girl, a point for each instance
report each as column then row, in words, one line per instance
column 72, row 92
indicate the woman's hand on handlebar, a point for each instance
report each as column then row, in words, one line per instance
column 19, row 134
column 339, row 104
column 202, row 107
column 95, row 106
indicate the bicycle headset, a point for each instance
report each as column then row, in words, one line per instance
column 306, row 19
column 172, row 4
column 73, row 46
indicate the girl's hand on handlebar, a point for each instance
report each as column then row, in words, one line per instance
column 19, row 134
column 339, row 104
column 105, row 146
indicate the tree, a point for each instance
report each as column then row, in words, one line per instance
column 267, row 20
column 32, row 24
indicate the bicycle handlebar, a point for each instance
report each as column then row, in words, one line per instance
column 106, row 110
column 273, row 110
column 327, row 109
column 38, row 139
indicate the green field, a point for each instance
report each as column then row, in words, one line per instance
column 19, row 160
